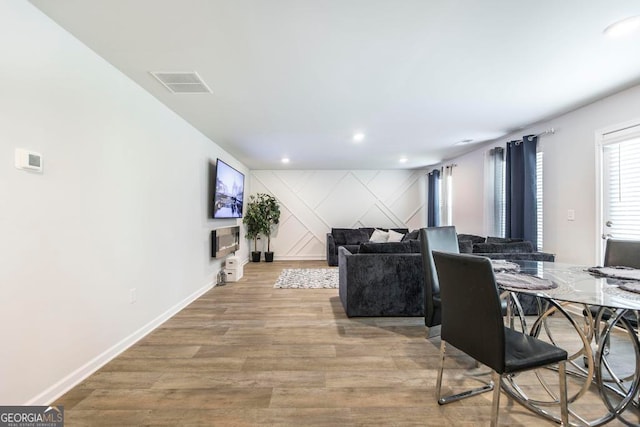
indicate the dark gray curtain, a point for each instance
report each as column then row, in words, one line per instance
column 433, row 199
column 520, row 189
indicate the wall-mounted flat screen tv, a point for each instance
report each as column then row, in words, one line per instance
column 229, row 191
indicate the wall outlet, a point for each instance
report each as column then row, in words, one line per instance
column 571, row 215
column 133, row 296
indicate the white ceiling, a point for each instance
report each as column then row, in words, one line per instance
column 297, row 78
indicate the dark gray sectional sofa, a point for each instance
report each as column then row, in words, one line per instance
column 501, row 248
column 351, row 238
column 387, row 279
column 382, row 279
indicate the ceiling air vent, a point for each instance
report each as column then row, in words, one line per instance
column 182, row 82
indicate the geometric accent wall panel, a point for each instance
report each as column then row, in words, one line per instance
column 314, row 201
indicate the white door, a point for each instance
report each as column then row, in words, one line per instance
column 620, row 184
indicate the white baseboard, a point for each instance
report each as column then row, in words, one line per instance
column 300, row 258
column 54, row 392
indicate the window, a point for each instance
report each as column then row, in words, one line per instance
column 495, row 192
column 446, row 195
column 539, row 205
column 497, row 196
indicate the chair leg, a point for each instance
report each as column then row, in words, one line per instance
column 433, row 331
column 564, row 410
column 495, row 405
column 439, row 381
column 458, row 396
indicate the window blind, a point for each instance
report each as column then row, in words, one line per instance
column 539, row 198
column 621, row 189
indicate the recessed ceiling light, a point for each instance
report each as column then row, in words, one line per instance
column 403, row 160
column 285, row 160
column 624, row 27
column 358, row 137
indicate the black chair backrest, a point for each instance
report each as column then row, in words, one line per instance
column 443, row 239
column 622, row 253
column 471, row 310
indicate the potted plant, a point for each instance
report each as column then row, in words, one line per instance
column 253, row 220
column 270, row 209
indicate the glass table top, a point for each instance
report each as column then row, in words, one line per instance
column 577, row 285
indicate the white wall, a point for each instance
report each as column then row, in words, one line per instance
column 121, row 204
column 314, row 201
column 569, row 177
column 468, row 190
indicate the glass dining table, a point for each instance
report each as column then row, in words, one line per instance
column 596, row 321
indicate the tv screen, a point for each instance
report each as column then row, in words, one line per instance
column 228, row 193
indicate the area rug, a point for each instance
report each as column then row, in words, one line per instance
column 307, row 278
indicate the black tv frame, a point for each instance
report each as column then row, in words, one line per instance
column 217, row 174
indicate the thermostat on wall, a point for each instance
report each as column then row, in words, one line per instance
column 29, row 160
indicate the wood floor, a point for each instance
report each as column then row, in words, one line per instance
column 247, row 354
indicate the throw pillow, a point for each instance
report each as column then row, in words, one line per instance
column 411, row 236
column 394, row 236
column 379, row 236
column 400, row 230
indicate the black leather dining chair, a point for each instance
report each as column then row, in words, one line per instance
column 622, row 253
column 434, row 239
column 618, row 253
column 472, row 322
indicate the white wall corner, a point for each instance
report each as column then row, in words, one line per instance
column 76, row 377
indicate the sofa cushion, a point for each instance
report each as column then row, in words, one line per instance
column 465, row 246
column 522, row 256
column 386, row 248
column 491, row 239
column 354, row 249
column 472, row 237
column 412, row 235
column 506, row 248
column 349, row 236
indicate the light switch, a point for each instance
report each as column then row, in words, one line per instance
column 571, row 215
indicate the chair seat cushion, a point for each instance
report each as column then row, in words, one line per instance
column 526, row 352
